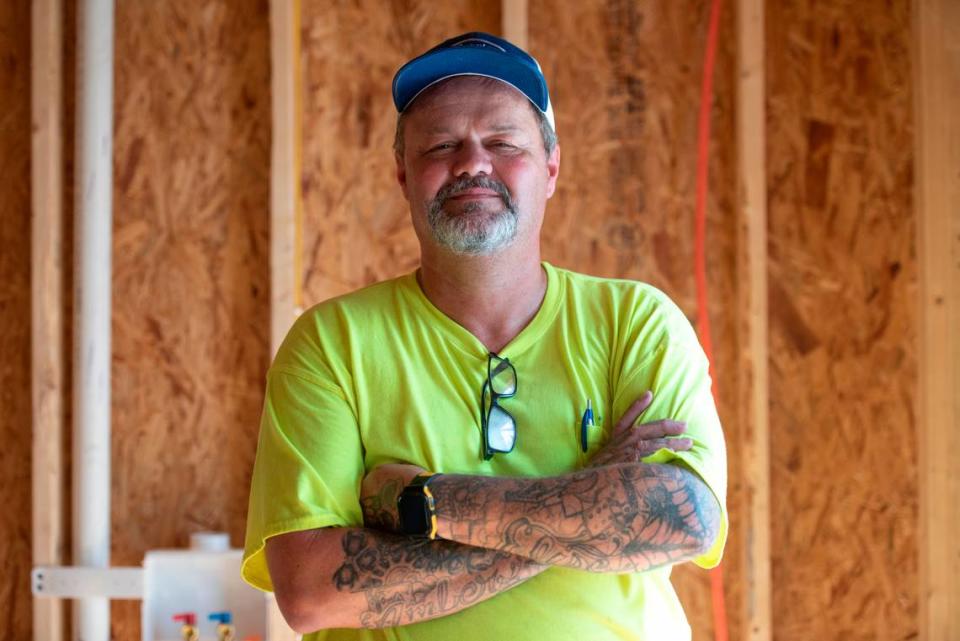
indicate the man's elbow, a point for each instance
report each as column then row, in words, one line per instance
column 299, row 610
column 304, row 602
column 708, row 513
column 701, row 514
column 299, row 619
column 307, row 611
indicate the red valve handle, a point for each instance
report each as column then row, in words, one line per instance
column 187, row 618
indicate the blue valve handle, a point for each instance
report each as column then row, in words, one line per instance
column 226, row 618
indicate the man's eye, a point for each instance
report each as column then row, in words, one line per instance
column 504, row 147
column 444, row 146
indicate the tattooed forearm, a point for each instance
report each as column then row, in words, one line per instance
column 620, row 518
column 379, row 510
column 406, row 580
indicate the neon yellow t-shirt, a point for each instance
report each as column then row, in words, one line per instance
column 381, row 375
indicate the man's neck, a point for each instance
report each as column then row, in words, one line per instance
column 493, row 297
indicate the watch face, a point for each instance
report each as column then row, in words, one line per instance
column 414, row 518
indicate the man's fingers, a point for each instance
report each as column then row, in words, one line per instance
column 647, row 447
column 634, row 411
column 600, row 458
column 659, row 429
column 675, row 444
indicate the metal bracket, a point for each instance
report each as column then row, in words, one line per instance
column 79, row 582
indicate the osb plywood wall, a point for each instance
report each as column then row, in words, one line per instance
column 191, row 311
column 191, row 299
column 15, row 622
column 356, row 225
column 842, row 301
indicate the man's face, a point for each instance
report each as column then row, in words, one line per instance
column 474, row 169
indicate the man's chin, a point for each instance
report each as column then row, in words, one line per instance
column 463, row 247
column 472, row 236
column 492, row 207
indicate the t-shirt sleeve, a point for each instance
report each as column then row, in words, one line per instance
column 677, row 371
column 308, row 467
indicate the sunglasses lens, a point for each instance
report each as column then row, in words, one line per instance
column 501, row 430
column 503, row 377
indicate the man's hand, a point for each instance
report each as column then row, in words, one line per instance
column 629, row 444
column 379, row 492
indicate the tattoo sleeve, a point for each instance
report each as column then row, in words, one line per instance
column 407, row 580
column 618, row 518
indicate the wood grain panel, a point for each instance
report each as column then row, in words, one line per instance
column 191, row 307
column 191, row 304
column 356, row 223
column 15, row 407
column 842, row 320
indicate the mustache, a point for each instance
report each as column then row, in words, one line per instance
column 473, row 182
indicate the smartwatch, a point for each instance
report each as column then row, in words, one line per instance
column 417, row 509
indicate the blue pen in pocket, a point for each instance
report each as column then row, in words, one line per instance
column 585, row 423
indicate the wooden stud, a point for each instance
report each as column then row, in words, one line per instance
column 514, row 20
column 285, row 199
column 752, row 268
column 47, row 303
column 937, row 131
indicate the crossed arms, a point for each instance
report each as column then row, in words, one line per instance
column 621, row 515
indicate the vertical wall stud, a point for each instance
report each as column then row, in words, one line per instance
column 937, row 131
column 46, row 191
column 285, row 198
column 514, row 22
column 752, row 269
column 286, row 201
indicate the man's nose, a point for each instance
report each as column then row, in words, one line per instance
column 472, row 159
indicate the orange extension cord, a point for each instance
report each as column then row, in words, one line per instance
column 700, row 269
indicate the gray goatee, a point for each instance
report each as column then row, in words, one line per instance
column 474, row 231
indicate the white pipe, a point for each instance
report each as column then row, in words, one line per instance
column 91, row 374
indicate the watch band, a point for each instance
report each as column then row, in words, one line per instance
column 421, row 480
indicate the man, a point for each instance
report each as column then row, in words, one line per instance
column 437, row 458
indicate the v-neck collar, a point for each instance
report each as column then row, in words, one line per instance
column 464, row 340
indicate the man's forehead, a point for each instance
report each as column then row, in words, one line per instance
column 488, row 93
column 495, row 127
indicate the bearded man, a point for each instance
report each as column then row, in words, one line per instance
column 458, row 453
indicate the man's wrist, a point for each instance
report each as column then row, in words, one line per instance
column 451, row 501
column 416, row 507
column 441, row 505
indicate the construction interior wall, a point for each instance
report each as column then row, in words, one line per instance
column 191, row 300
column 843, row 291
column 356, row 227
column 15, row 551
column 190, row 285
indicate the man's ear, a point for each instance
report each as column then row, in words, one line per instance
column 553, row 170
column 401, row 173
